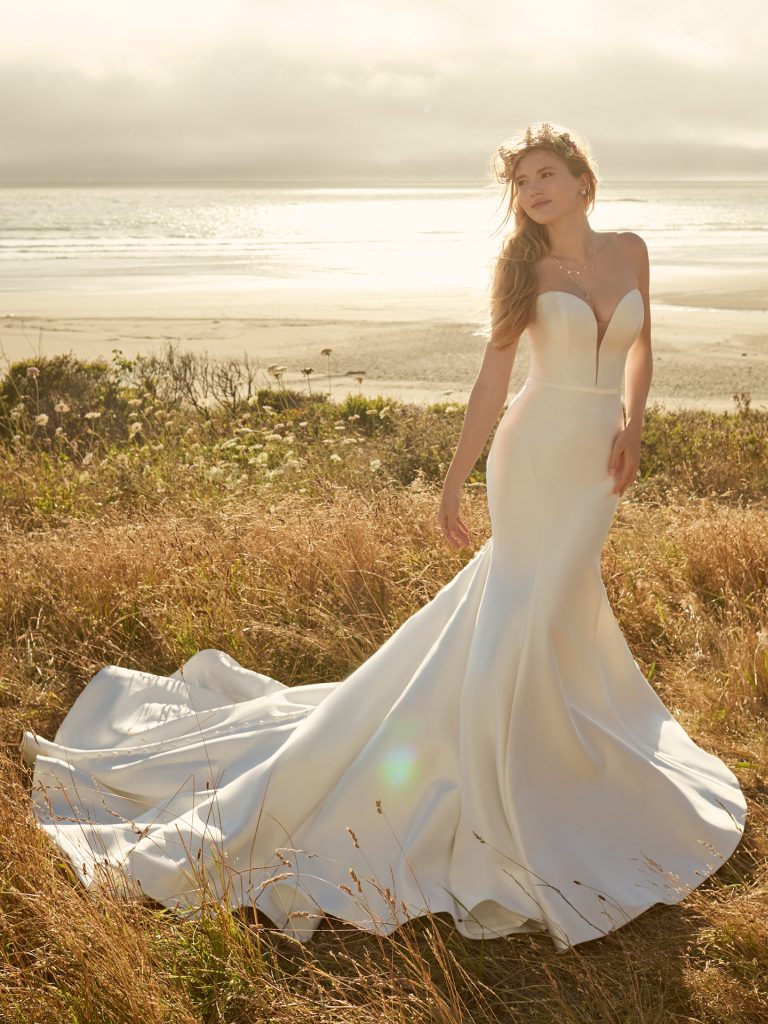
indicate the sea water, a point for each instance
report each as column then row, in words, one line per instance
column 251, row 249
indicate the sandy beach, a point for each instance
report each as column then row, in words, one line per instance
column 710, row 335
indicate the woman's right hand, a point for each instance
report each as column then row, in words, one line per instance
column 453, row 527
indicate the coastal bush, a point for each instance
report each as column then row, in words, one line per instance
column 42, row 396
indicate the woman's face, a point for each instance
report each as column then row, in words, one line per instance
column 545, row 187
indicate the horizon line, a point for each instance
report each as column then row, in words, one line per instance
column 315, row 183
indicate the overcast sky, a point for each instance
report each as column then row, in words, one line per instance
column 376, row 90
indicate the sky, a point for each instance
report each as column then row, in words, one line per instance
column 376, row 91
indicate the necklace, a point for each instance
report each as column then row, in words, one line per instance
column 573, row 274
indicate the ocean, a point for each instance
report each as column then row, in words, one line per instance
column 255, row 249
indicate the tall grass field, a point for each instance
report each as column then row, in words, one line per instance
column 152, row 507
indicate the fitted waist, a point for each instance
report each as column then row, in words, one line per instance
column 572, row 387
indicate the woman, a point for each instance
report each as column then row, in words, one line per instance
column 500, row 757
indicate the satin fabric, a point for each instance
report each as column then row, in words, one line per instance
column 501, row 757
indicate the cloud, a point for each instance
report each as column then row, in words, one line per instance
column 240, row 109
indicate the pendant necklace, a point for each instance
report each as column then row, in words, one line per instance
column 574, row 274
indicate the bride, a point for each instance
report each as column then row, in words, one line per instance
column 501, row 757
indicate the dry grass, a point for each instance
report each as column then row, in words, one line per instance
column 304, row 589
column 140, row 548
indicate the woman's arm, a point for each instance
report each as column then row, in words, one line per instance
column 485, row 402
column 638, row 372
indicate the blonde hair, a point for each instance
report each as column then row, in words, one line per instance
column 513, row 282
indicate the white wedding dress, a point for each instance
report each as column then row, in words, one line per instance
column 500, row 757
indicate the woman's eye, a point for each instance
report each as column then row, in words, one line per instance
column 524, row 181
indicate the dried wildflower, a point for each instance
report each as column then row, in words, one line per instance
column 375, row 464
column 33, row 372
column 334, row 457
column 326, row 351
column 94, row 415
column 354, row 837
column 356, row 880
column 61, row 407
column 276, row 878
column 42, row 419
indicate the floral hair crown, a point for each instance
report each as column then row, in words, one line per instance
column 544, row 135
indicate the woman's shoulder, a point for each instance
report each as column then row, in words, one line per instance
column 631, row 241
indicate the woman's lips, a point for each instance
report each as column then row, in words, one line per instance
column 542, row 202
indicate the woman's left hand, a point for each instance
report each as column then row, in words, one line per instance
column 625, row 459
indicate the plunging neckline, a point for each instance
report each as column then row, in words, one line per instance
column 598, row 337
column 558, row 291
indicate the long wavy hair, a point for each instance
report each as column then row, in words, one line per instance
column 513, row 282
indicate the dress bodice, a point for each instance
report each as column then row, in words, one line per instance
column 564, row 339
